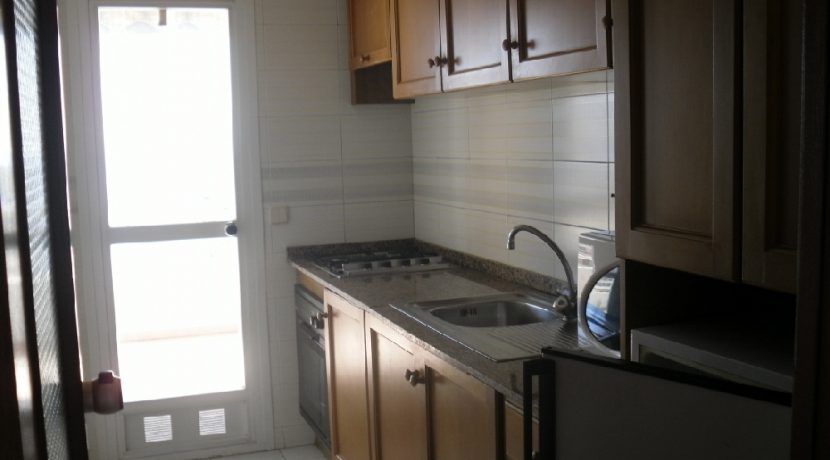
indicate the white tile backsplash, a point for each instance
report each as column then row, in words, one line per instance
column 389, row 220
column 580, row 128
column 580, row 194
column 533, row 152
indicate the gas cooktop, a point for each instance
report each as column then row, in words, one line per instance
column 380, row 263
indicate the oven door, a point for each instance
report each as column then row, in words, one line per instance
column 311, row 356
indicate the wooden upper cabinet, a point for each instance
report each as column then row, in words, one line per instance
column 675, row 127
column 346, row 362
column 462, row 414
column 416, row 47
column 369, row 35
column 397, row 395
column 772, row 117
column 474, row 43
column 556, row 37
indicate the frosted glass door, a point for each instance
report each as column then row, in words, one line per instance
column 167, row 116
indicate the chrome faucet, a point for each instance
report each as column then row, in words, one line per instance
column 569, row 309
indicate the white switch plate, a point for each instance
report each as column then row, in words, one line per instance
column 279, row 214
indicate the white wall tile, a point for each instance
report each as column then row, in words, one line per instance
column 309, row 225
column 297, row 46
column 441, row 180
column 580, row 128
column 515, row 130
column 530, row 189
column 379, row 221
column 299, row 92
column 486, row 187
column 377, row 180
column 580, row 194
column 484, row 234
column 377, row 136
column 303, row 183
column 294, row 138
column 297, row 11
column 445, row 101
column 440, row 134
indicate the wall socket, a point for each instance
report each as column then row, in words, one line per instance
column 279, row 214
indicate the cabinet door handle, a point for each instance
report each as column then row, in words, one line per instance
column 437, row 61
column 365, row 58
column 413, row 377
column 507, row 44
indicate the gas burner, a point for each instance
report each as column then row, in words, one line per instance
column 380, row 263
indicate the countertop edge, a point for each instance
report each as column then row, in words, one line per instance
column 510, row 394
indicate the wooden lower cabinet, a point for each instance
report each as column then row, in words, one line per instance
column 391, row 399
column 346, row 363
column 397, row 395
column 514, row 434
column 462, row 414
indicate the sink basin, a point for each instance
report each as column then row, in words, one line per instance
column 502, row 327
column 494, row 313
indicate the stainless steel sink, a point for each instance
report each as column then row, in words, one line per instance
column 498, row 312
column 501, row 327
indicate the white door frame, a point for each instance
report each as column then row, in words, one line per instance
column 84, row 143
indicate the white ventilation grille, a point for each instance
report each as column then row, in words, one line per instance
column 211, row 422
column 158, row 429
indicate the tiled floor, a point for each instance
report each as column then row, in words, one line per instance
column 294, row 453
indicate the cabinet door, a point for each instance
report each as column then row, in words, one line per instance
column 555, row 37
column 462, row 414
column 346, row 361
column 514, row 434
column 397, row 405
column 416, row 48
column 473, row 33
column 772, row 123
column 675, row 124
column 369, row 33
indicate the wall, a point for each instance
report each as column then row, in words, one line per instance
column 537, row 153
column 344, row 172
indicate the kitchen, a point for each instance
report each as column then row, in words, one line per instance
column 356, row 131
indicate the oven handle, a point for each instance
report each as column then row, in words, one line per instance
column 311, row 334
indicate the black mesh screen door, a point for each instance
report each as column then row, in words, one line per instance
column 41, row 405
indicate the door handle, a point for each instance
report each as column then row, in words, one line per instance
column 231, row 229
column 103, row 395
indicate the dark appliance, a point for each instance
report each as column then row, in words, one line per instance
column 591, row 407
column 311, row 357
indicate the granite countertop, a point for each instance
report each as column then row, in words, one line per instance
column 375, row 294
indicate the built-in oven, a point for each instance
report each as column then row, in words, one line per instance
column 311, row 356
